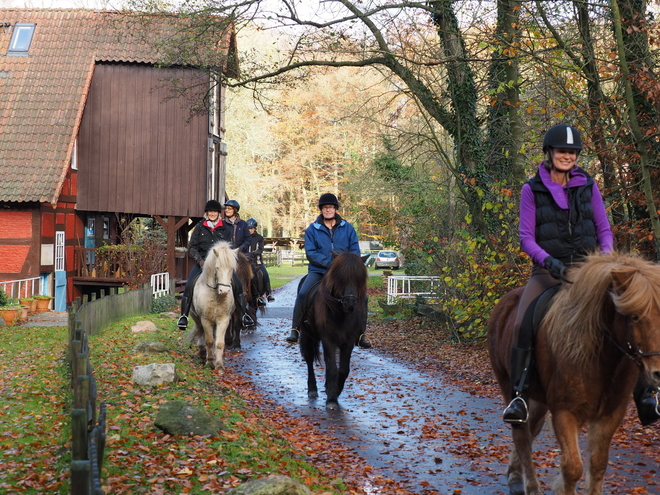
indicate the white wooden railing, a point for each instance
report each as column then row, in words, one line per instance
column 410, row 286
column 160, row 284
column 26, row 287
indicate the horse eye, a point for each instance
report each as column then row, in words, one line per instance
column 634, row 318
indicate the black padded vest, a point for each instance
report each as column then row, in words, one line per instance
column 567, row 235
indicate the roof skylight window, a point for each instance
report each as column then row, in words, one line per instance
column 21, row 38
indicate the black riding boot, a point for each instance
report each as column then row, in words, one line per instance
column 646, row 400
column 296, row 320
column 517, row 411
column 182, row 322
column 246, row 319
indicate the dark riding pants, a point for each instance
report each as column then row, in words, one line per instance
column 310, row 281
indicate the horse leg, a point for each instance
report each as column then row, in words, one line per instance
column 220, row 329
column 344, row 366
column 208, row 342
column 567, row 429
column 331, row 376
column 307, row 349
column 599, row 438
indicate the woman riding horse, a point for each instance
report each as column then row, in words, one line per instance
column 207, row 232
column 328, row 233
column 562, row 219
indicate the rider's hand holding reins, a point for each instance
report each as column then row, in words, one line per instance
column 556, row 268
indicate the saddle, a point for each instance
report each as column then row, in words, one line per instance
column 307, row 303
column 533, row 316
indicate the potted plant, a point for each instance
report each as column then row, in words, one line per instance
column 43, row 302
column 30, row 302
column 9, row 308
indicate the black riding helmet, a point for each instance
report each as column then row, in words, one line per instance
column 213, row 205
column 328, row 199
column 562, row 136
column 251, row 223
column 234, row 204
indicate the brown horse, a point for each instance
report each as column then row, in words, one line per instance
column 245, row 274
column 598, row 336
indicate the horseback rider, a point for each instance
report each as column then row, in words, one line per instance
column 238, row 227
column 329, row 232
column 255, row 250
column 562, row 219
column 207, row 232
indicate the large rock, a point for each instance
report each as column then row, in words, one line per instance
column 154, row 374
column 144, row 326
column 147, row 346
column 177, row 417
column 271, row 485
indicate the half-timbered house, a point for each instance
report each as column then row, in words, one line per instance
column 98, row 127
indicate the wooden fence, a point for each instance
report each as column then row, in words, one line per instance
column 88, row 425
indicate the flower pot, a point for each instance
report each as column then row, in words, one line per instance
column 10, row 315
column 25, row 309
column 29, row 302
column 42, row 304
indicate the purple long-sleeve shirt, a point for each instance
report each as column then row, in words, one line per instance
column 560, row 195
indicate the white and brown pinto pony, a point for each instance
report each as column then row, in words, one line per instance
column 601, row 331
column 213, row 303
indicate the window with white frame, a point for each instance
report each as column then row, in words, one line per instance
column 59, row 251
column 21, row 38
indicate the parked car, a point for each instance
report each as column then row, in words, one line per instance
column 387, row 259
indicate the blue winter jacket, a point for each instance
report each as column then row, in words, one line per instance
column 321, row 241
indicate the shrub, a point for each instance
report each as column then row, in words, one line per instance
column 163, row 304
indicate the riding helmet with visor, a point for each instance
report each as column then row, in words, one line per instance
column 328, row 199
column 213, row 205
column 562, row 136
column 234, row 204
column 251, row 223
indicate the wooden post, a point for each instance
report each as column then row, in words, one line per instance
column 79, row 439
column 80, row 477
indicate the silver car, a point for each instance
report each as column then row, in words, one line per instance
column 387, row 259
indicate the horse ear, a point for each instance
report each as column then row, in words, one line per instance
column 622, row 276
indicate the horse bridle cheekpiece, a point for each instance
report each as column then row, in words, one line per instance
column 633, row 351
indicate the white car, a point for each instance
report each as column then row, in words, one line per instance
column 387, row 259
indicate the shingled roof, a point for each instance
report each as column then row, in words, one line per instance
column 43, row 94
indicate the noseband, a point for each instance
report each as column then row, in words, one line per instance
column 217, row 284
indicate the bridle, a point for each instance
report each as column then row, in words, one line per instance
column 631, row 349
column 217, row 284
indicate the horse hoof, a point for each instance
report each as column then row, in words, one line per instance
column 517, row 489
column 332, row 405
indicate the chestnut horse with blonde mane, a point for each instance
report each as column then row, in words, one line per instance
column 599, row 334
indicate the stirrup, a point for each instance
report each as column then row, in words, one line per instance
column 261, row 301
column 293, row 337
column 363, row 343
column 512, row 405
column 270, row 298
column 247, row 320
column 182, row 322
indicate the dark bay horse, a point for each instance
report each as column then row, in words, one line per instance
column 335, row 320
column 213, row 303
column 601, row 331
column 245, row 274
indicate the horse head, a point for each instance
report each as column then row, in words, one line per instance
column 219, row 267
column 636, row 294
column 346, row 280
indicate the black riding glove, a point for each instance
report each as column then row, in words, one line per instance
column 556, row 268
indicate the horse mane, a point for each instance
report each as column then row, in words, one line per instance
column 225, row 256
column 346, row 269
column 578, row 318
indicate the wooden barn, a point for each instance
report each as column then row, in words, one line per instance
column 99, row 127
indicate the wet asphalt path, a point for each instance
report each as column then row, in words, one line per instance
column 413, row 427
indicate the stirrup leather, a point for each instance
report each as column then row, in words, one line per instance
column 524, row 405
